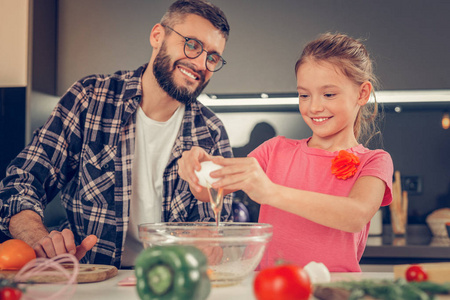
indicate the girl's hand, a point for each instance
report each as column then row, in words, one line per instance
column 190, row 162
column 244, row 174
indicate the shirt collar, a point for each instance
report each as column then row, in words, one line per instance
column 133, row 88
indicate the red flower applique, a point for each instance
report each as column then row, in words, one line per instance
column 344, row 165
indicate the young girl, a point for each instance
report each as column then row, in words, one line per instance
column 318, row 193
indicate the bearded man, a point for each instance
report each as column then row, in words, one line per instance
column 112, row 144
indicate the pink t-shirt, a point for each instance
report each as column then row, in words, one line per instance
column 297, row 240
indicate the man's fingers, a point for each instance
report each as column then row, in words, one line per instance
column 39, row 251
column 87, row 244
column 69, row 241
column 46, row 243
column 58, row 242
column 63, row 242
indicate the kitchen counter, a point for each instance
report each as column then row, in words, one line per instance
column 110, row 290
column 418, row 245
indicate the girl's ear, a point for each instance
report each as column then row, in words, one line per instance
column 157, row 36
column 364, row 93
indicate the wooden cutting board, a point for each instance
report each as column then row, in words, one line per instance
column 87, row 273
column 437, row 272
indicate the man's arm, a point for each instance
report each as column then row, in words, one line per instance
column 27, row 226
column 44, row 166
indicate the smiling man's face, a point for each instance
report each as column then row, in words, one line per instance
column 180, row 77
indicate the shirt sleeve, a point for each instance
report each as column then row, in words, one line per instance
column 380, row 165
column 37, row 174
column 262, row 152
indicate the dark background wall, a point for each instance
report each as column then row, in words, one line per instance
column 420, row 147
column 408, row 40
column 12, row 124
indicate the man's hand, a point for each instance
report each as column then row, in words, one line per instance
column 63, row 242
column 187, row 165
column 28, row 227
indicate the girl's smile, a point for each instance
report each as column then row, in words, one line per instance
column 319, row 121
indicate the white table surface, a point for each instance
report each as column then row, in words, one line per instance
column 110, row 290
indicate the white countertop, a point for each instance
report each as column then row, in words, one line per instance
column 110, row 290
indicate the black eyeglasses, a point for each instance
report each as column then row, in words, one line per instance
column 193, row 48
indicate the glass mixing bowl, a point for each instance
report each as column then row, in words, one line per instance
column 233, row 250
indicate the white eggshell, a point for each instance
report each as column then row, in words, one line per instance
column 203, row 175
column 318, row 272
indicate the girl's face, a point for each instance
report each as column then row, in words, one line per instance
column 329, row 101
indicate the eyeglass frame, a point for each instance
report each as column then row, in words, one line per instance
column 187, row 39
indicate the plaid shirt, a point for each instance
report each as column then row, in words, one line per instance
column 86, row 149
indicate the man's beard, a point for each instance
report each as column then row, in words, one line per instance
column 163, row 73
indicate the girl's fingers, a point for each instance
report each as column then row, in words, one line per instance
column 238, row 180
column 227, row 161
column 231, row 169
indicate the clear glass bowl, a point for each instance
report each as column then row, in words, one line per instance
column 234, row 250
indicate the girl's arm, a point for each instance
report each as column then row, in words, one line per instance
column 350, row 213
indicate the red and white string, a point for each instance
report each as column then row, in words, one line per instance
column 50, row 267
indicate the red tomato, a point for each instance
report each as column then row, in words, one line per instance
column 286, row 282
column 10, row 293
column 14, row 254
column 416, row 273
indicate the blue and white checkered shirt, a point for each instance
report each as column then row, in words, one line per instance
column 85, row 150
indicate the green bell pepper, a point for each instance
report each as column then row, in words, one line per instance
column 172, row 272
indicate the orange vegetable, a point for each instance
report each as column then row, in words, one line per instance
column 14, row 254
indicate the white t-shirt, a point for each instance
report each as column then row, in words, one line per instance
column 153, row 146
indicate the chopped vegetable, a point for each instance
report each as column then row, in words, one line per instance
column 287, row 282
column 432, row 287
column 173, row 272
column 14, row 254
column 380, row 289
column 416, row 273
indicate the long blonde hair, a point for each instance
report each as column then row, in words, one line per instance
column 352, row 58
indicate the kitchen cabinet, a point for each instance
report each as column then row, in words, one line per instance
column 14, row 77
column 14, row 43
